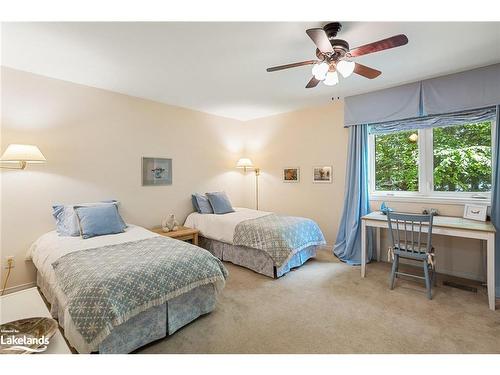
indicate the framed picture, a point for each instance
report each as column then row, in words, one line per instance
column 323, row 174
column 156, row 171
column 475, row 212
column 291, row 174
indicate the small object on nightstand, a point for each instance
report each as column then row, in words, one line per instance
column 169, row 224
column 182, row 234
column 432, row 211
column 384, row 208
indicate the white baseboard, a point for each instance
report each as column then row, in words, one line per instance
column 17, row 288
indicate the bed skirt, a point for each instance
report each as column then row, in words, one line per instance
column 150, row 325
column 254, row 259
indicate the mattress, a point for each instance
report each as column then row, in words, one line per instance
column 221, row 227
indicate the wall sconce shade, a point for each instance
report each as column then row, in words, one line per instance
column 22, row 154
column 244, row 163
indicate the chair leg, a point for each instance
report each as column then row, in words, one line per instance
column 428, row 284
column 393, row 272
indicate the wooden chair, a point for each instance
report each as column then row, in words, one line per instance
column 409, row 244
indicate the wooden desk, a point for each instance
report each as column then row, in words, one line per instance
column 443, row 225
column 28, row 303
column 182, row 234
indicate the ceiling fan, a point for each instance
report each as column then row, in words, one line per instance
column 333, row 55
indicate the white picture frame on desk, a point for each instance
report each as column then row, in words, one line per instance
column 475, row 212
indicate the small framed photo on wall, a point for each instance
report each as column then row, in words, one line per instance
column 291, row 174
column 475, row 212
column 156, row 171
column 323, row 174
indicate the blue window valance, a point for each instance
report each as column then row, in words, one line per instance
column 477, row 88
column 435, row 121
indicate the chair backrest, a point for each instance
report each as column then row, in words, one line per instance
column 411, row 225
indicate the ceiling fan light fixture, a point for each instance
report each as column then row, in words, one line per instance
column 331, row 79
column 345, row 68
column 319, row 70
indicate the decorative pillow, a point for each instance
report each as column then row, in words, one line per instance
column 202, row 204
column 194, row 202
column 220, row 202
column 67, row 221
column 99, row 220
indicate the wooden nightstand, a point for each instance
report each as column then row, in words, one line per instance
column 182, row 234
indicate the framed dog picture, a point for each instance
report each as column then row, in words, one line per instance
column 475, row 212
column 323, row 174
column 291, row 174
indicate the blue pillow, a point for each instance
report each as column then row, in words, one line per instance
column 202, row 204
column 99, row 220
column 194, row 202
column 67, row 221
column 220, row 202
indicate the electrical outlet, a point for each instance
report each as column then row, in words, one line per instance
column 10, row 260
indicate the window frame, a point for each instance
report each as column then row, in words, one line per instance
column 426, row 192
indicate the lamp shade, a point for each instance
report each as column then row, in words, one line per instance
column 23, row 153
column 244, row 163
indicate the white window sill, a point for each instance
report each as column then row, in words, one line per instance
column 429, row 199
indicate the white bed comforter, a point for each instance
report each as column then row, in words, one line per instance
column 51, row 246
column 221, row 227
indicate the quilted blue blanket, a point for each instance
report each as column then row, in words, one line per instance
column 106, row 286
column 281, row 237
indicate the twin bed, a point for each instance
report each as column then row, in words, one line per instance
column 264, row 242
column 115, row 293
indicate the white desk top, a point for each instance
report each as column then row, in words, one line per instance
column 445, row 222
column 25, row 304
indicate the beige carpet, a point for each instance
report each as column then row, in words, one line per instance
column 325, row 307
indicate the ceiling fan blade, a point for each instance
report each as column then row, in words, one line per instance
column 312, row 83
column 293, row 65
column 366, row 71
column 320, row 38
column 393, row 41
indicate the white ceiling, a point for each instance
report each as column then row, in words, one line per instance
column 219, row 68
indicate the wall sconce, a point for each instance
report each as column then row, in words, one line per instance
column 21, row 155
column 246, row 164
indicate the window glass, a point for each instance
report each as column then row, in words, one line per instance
column 396, row 161
column 462, row 158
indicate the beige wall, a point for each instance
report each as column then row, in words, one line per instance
column 305, row 138
column 93, row 141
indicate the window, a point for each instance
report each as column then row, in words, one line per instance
column 396, row 161
column 444, row 162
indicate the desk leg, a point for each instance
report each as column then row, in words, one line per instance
column 377, row 242
column 490, row 273
column 195, row 239
column 363, row 248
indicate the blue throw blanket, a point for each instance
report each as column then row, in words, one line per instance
column 106, row 286
column 281, row 237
